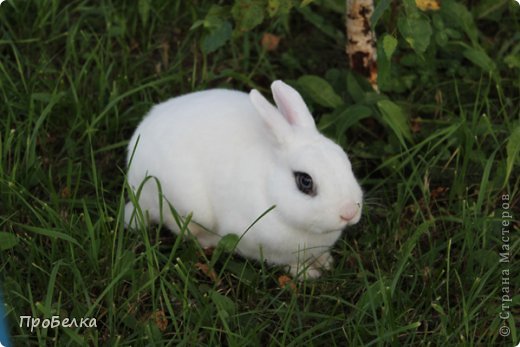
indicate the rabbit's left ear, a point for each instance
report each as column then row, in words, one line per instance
column 291, row 105
column 271, row 116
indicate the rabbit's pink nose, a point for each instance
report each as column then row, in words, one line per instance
column 350, row 211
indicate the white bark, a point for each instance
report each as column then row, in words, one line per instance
column 361, row 40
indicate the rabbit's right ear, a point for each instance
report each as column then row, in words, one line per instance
column 280, row 128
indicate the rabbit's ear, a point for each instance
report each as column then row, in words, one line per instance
column 291, row 105
column 279, row 126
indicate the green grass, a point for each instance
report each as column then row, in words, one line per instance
column 421, row 268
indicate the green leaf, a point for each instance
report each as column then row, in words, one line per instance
column 327, row 120
column 215, row 17
column 480, row 58
column 437, row 21
column 117, row 27
column 218, row 29
column 406, row 253
column 416, row 31
column 50, row 233
column 306, row 2
column 352, row 115
column 320, row 22
column 384, row 71
column 394, row 116
column 389, row 45
column 8, row 240
column 380, row 8
column 342, row 119
column 512, row 61
column 272, row 7
column 438, row 308
column 247, row 14
column 216, row 38
column 198, row 23
column 228, row 242
column 225, row 306
column 512, row 149
column 279, row 7
column 459, row 16
column 410, row 8
column 354, row 88
column 441, row 38
column 144, row 11
column 320, row 91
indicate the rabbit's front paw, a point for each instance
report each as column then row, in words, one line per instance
column 307, row 271
column 324, row 261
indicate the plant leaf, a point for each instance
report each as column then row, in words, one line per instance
column 320, row 91
column 320, row 22
column 8, row 240
column 512, row 61
column 305, row 3
column 480, row 58
column 144, row 11
column 278, row 7
column 354, row 88
column 458, row 15
column 394, row 116
column 512, row 149
column 416, row 31
column 216, row 38
column 381, row 7
column 352, row 115
column 50, row 233
column 225, row 306
column 389, row 45
column 228, row 242
column 247, row 14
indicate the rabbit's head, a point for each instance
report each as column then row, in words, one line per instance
column 311, row 183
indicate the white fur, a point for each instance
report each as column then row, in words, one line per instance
column 227, row 157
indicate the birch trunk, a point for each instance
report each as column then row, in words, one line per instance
column 361, row 40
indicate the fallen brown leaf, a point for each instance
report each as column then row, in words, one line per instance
column 285, row 280
column 65, row 192
column 210, row 273
column 270, row 42
column 159, row 318
column 208, row 251
column 438, row 192
column 416, row 125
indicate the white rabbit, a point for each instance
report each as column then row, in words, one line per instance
column 227, row 157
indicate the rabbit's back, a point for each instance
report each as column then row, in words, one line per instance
column 196, row 145
column 202, row 116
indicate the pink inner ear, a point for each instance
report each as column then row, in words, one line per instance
column 285, row 109
column 291, row 105
column 271, row 116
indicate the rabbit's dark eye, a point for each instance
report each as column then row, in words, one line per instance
column 304, row 183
